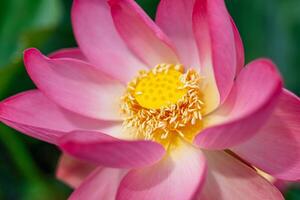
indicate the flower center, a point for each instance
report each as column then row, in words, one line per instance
column 160, row 88
column 164, row 104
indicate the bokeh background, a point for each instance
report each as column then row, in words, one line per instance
column 270, row 28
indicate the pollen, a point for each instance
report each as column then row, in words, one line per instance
column 164, row 104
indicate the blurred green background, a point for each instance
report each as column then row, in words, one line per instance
column 270, row 28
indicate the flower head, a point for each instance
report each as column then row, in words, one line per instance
column 160, row 110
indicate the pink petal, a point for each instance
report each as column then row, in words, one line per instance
column 141, row 34
column 43, row 134
column 69, row 53
column 34, row 114
column 178, row 176
column 276, row 148
column 174, row 17
column 102, row 184
column 100, row 42
column 246, row 109
column 229, row 179
column 216, row 43
column 72, row 171
column 239, row 48
column 105, row 150
column 75, row 85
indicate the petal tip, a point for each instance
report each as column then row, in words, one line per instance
column 31, row 54
column 30, row 51
column 268, row 62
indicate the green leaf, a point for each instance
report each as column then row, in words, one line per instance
column 19, row 18
column 24, row 23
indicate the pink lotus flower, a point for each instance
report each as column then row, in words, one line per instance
column 161, row 110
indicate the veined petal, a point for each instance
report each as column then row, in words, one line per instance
column 73, row 171
column 75, row 85
column 216, row 43
column 211, row 96
column 239, row 48
column 230, row 179
column 108, row 151
column 276, row 148
column 35, row 115
column 101, row 43
column 178, row 176
column 101, row 184
column 69, row 53
column 174, row 17
column 246, row 109
column 33, row 109
column 141, row 34
column 46, row 135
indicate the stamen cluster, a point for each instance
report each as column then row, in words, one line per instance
column 160, row 124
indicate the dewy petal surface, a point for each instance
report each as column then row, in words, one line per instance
column 141, row 34
column 69, row 53
column 276, row 148
column 73, row 171
column 75, row 85
column 215, row 39
column 102, row 184
column 33, row 109
column 246, row 109
column 178, row 176
column 98, row 38
column 104, row 150
column 174, row 17
column 230, row 179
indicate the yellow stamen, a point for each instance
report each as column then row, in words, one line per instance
column 164, row 104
